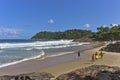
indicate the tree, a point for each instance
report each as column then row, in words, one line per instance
column 68, row 34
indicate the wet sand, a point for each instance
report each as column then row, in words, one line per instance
column 34, row 65
column 55, row 64
column 110, row 58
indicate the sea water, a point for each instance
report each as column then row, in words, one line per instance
column 19, row 50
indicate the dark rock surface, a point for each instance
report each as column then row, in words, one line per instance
column 30, row 76
column 113, row 47
column 95, row 72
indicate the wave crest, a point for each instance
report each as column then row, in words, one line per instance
column 26, row 59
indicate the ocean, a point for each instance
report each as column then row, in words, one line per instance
column 14, row 51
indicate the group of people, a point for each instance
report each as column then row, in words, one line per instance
column 97, row 56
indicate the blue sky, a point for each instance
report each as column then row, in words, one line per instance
column 23, row 18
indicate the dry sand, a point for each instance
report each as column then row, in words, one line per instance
column 110, row 58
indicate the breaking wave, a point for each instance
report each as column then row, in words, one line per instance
column 19, row 61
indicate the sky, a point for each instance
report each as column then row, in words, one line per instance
column 21, row 19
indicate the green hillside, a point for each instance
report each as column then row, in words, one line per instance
column 68, row 34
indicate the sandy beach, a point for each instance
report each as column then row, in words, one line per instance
column 35, row 64
column 62, row 64
column 110, row 58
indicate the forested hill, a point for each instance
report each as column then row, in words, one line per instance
column 103, row 34
column 68, row 34
column 107, row 33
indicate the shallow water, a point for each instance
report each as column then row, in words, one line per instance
column 15, row 51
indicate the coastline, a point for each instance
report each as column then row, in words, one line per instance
column 66, row 67
column 39, row 63
column 48, row 53
column 110, row 59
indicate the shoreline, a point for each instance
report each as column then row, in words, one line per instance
column 47, row 53
column 35, row 64
column 109, row 59
column 70, row 66
column 39, row 63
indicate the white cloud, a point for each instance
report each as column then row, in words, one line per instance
column 51, row 21
column 104, row 26
column 87, row 25
column 9, row 31
column 114, row 24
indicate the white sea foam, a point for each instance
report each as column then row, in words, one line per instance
column 31, row 47
column 41, row 44
column 35, row 44
column 42, row 55
column 57, row 46
column 26, row 59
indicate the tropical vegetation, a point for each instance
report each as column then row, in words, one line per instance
column 68, row 34
column 107, row 33
column 103, row 34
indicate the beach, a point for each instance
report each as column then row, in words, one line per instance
column 110, row 58
column 62, row 64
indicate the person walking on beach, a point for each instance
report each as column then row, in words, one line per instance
column 96, row 56
column 101, row 54
column 93, row 57
column 78, row 53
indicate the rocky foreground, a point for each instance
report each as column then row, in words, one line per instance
column 30, row 76
column 94, row 72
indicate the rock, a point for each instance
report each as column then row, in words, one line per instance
column 104, row 75
column 88, row 78
column 69, row 76
column 94, row 72
column 29, row 76
column 113, row 47
column 116, row 75
column 7, row 77
column 62, row 77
